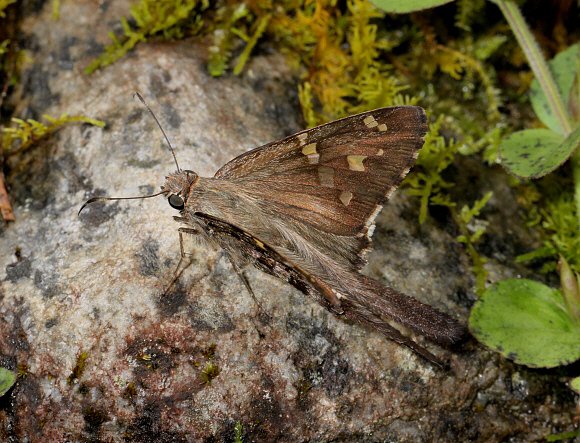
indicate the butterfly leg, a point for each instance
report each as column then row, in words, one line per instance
column 177, row 273
column 246, row 282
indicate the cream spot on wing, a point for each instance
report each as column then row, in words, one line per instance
column 380, row 152
column 310, row 152
column 302, row 138
column 326, row 176
column 345, row 197
column 313, row 158
column 259, row 243
column 370, row 121
column 309, row 149
column 382, row 127
column 355, row 162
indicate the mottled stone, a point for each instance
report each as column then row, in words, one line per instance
column 106, row 357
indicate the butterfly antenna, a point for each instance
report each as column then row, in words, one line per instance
column 98, row 199
column 159, row 124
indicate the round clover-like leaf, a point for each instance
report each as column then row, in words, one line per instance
column 404, row 6
column 565, row 68
column 527, row 322
column 533, row 153
column 7, row 379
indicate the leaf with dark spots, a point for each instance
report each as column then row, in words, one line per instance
column 527, row 322
column 533, row 153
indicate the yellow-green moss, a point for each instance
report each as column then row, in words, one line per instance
column 209, row 372
column 3, row 5
column 79, row 368
column 25, row 133
column 167, row 18
column 551, row 211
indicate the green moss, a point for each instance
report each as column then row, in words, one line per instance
column 251, row 42
column 551, row 211
column 209, row 372
column 426, row 181
column 25, row 133
column 166, row 18
column 238, row 433
column 3, row 5
column 209, row 352
column 55, row 9
column 79, row 368
column 223, row 38
column 471, row 233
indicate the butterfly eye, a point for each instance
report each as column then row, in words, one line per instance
column 176, row 202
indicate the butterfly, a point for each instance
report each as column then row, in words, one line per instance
column 303, row 209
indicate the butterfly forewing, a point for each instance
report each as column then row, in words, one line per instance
column 335, row 177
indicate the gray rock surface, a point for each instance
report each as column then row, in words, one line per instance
column 104, row 357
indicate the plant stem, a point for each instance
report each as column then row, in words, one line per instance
column 542, row 73
column 575, row 162
column 536, row 61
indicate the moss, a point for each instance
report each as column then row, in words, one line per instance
column 238, row 432
column 167, row 18
column 551, row 212
column 223, row 39
column 471, row 232
column 3, row 5
column 79, row 368
column 25, row 133
column 426, row 181
column 209, row 352
column 209, row 372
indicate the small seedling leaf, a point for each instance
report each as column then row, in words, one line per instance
column 533, row 153
column 7, row 380
column 404, row 6
column 565, row 68
column 527, row 322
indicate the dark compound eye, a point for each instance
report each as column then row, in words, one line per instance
column 176, row 202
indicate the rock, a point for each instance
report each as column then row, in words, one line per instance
column 105, row 356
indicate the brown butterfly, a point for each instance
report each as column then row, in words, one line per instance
column 303, row 209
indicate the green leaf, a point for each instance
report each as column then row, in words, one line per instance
column 575, row 384
column 7, row 379
column 526, row 322
column 565, row 68
column 533, row 153
column 404, row 6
